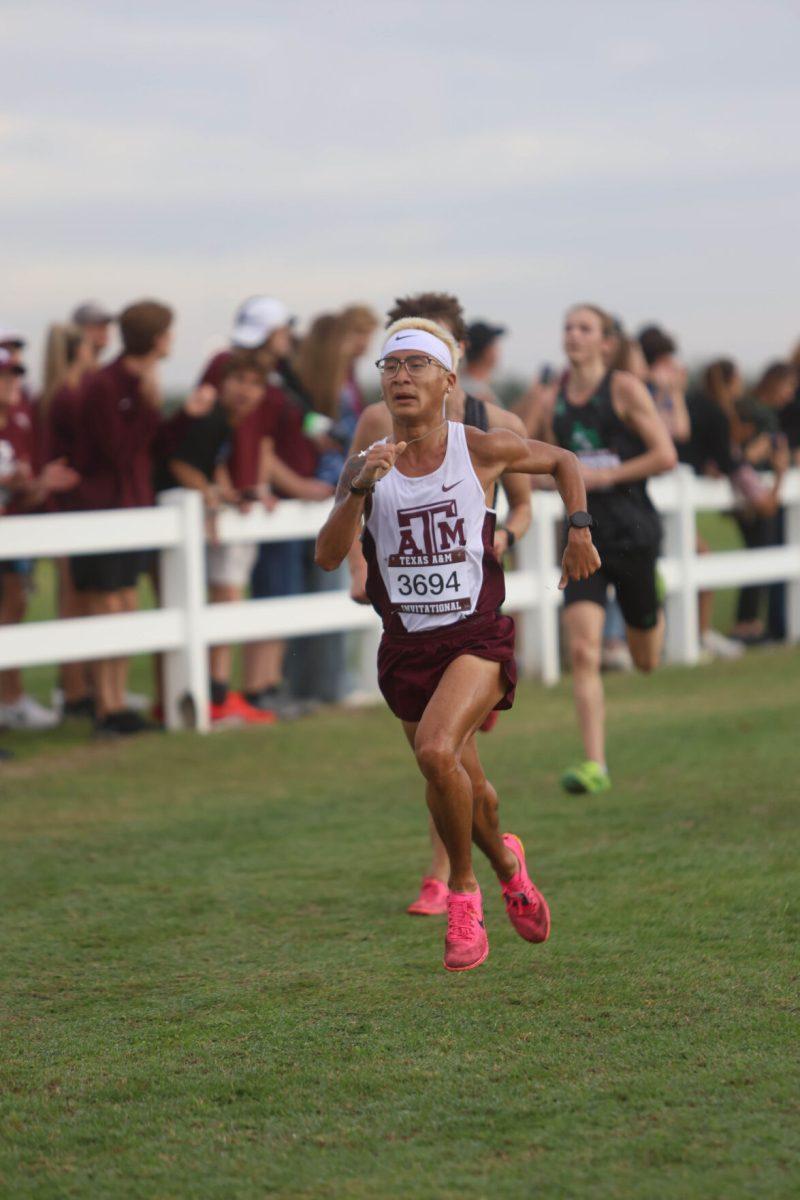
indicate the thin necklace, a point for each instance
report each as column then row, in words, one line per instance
column 364, row 453
column 424, row 435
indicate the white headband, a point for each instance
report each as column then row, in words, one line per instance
column 420, row 339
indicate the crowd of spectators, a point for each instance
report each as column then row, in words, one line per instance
column 272, row 416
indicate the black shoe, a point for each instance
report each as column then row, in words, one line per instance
column 129, row 722
column 79, row 708
column 107, row 726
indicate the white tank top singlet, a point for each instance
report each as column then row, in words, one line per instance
column 428, row 542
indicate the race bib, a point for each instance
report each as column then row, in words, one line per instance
column 430, row 572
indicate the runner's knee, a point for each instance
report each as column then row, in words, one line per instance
column 584, row 653
column 436, row 756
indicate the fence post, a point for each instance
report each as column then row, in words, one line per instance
column 683, row 630
column 368, row 643
column 792, row 538
column 537, row 552
column 183, row 586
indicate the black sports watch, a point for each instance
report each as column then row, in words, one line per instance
column 512, row 537
column 580, row 520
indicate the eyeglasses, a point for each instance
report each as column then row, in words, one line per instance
column 417, row 364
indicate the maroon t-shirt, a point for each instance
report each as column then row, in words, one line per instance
column 117, row 429
column 17, row 446
column 214, row 367
column 286, row 415
column 248, row 435
column 63, row 424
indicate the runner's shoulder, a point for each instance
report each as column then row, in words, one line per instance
column 628, row 390
column 493, row 446
column 501, row 418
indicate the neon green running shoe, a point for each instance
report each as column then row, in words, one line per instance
column 588, row 777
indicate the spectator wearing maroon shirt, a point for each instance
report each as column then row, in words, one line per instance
column 21, row 490
column 120, row 418
column 225, row 449
column 262, row 325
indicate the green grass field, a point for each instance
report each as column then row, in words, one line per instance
column 210, row 988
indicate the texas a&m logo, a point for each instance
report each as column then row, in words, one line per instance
column 430, row 536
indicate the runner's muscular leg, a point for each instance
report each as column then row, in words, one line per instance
column 467, row 691
column 646, row 644
column 440, row 863
column 485, row 826
column 584, row 622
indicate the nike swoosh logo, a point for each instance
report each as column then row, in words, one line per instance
column 402, row 337
column 449, row 487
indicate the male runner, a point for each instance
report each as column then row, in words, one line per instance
column 446, row 656
column 376, row 422
column 609, row 420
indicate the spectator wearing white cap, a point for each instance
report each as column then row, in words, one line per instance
column 261, row 324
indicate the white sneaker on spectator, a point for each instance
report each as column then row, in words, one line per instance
column 616, row 657
column 27, row 713
column 720, row 646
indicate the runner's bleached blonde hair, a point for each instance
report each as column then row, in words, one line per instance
column 444, row 335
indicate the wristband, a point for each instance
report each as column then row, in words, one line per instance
column 512, row 537
column 362, row 491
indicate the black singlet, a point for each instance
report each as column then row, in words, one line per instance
column 624, row 515
column 475, row 413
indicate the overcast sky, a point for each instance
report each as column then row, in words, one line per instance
column 522, row 154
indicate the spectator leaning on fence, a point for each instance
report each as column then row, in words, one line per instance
column 120, row 416
column 666, row 381
column 322, row 366
column 279, row 568
column 22, row 489
column 223, row 449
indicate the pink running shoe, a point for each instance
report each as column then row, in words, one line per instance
column 466, row 944
column 432, row 898
column 526, row 906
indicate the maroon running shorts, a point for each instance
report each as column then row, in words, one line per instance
column 410, row 665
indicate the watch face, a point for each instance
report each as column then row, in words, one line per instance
column 581, row 520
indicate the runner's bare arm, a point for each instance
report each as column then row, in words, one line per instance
column 336, row 536
column 500, row 450
column 374, row 423
column 636, row 408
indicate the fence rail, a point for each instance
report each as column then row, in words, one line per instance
column 187, row 625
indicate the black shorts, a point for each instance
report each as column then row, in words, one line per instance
column 108, row 572
column 634, row 576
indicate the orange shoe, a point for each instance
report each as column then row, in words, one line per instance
column 466, row 944
column 236, row 711
column 432, row 898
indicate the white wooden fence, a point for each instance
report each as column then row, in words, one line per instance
column 187, row 625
